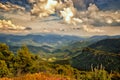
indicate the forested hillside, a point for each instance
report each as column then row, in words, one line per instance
column 25, row 65
column 108, row 45
column 104, row 52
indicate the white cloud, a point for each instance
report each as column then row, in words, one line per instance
column 92, row 29
column 8, row 25
column 9, row 7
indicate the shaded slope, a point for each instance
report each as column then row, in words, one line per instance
column 101, row 53
column 108, row 45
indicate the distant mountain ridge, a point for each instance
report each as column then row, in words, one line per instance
column 51, row 40
column 38, row 42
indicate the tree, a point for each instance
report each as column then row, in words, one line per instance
column 25, row 62
column 5, row 53
column 4, row 71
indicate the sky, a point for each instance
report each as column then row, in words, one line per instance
column 60, row 18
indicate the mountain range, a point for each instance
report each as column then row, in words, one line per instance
column 37, row 40
column 37, row 43
column 82, row 53
column 50, row 42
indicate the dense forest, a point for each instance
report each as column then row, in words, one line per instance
column 25, row 65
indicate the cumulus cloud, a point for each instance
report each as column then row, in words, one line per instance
column 67, row 11
column 92, row 29
column 68, row 15
column 47, row 7
column 44, row 8
column 64, row 9
column 8, row 25
column 96, row 17
column 9, row 7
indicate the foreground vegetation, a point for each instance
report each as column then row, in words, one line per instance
column 93, row 75
column 23, row 65
column 39, row 76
